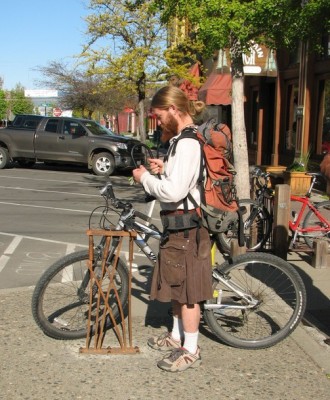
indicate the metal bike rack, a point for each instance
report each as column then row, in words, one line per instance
column 97, row 317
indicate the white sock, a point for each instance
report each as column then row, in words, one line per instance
column 190, row 341
column 177, row 330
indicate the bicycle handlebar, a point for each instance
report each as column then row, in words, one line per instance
column 107, row 192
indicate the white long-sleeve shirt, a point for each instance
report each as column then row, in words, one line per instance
column 181, row 173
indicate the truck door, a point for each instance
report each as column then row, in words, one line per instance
column 49, row 141
column 76, row 140
column 53, row 141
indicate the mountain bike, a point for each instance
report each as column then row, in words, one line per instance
column 257, row 220
column 310, row 222
column 258, row 299
column 314, row 223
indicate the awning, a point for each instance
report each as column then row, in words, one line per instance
column 216, row 89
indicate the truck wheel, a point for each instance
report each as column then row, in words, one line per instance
column 103, row 164
column 4, row 158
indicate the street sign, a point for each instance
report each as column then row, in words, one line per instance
column 57, row 112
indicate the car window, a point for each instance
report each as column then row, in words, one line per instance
column 18, row 121
column 30, row 124
column 96, row 128
column 73, row 128
column 51, row 125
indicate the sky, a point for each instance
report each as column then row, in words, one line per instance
column 35, row 32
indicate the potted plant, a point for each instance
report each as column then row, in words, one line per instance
column 295, row 175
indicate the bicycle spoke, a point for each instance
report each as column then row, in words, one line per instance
column 278, row 300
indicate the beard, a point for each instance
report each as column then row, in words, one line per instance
column 169, row 128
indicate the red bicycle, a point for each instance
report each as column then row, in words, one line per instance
column 316, row 222
column 310, row 222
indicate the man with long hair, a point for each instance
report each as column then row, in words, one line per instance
column 183, row 272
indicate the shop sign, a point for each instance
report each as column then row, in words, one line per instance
column 260, row 61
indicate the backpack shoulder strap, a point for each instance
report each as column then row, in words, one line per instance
column 187, row 133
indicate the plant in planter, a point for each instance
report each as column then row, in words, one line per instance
column 295, row 175
column 301, row 164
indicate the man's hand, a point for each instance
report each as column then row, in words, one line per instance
column 156, row 165
column 138, row 172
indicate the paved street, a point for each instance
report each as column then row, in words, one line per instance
column 44, row 215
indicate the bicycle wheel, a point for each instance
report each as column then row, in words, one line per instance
column 279, row 301
column 311, row 220
column 257, row 227
column 60, row 300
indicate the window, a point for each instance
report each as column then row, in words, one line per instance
column 51, row 125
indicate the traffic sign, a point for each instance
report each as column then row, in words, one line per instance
column 57, row 112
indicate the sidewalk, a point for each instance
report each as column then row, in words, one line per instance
column 317, row 282
column 35, row 366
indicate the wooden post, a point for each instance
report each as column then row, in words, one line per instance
column 235, row 249
column 321, row 256
column 281, row 220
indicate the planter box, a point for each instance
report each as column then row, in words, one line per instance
column 299, row 182
column 276, row 173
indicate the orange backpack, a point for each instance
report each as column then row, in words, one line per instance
column 219, row 201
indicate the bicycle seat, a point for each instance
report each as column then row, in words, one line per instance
column 319, row 174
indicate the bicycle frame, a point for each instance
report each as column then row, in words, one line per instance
column 127, row 221
column 295, row 224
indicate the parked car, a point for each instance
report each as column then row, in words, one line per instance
column 32, row 138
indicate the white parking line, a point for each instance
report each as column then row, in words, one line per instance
column 13, row 245
column 9, row 250
column 42, row 239
column 48, row 191
column 3, row 261
column 70, row 248
column 47, row 180
column 45, row 207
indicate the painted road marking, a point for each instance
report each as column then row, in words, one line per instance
column 5, row 257
column 70, row 248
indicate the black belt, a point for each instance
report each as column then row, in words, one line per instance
column 180, row 212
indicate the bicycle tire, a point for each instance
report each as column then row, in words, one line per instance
column 59, row 304
column 281, row 304
column 256, row 233
column 312, row 220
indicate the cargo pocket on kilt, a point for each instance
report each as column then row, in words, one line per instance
column 173, row 260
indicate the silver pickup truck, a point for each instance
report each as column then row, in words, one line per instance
column 32, row 138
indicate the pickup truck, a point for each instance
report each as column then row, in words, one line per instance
column 32, row 138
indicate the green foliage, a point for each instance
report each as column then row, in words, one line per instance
column 126, row 45
column 19, row 103
column 302, row 163
column 276, row 23
column 3, row 104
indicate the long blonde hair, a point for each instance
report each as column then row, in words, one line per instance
column 169, row 96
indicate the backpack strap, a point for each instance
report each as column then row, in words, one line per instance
column 187, row 133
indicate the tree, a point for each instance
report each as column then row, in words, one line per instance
column 3, row 105
column 233, row 25
column 82, row 91
column 135, row 38
column 19, row 104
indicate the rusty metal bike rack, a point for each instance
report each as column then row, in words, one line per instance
column 96, row 322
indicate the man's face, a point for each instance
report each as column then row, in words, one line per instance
column 168, row 123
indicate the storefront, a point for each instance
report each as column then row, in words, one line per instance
column 287, row 107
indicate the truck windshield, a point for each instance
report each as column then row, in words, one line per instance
column 97, row 129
